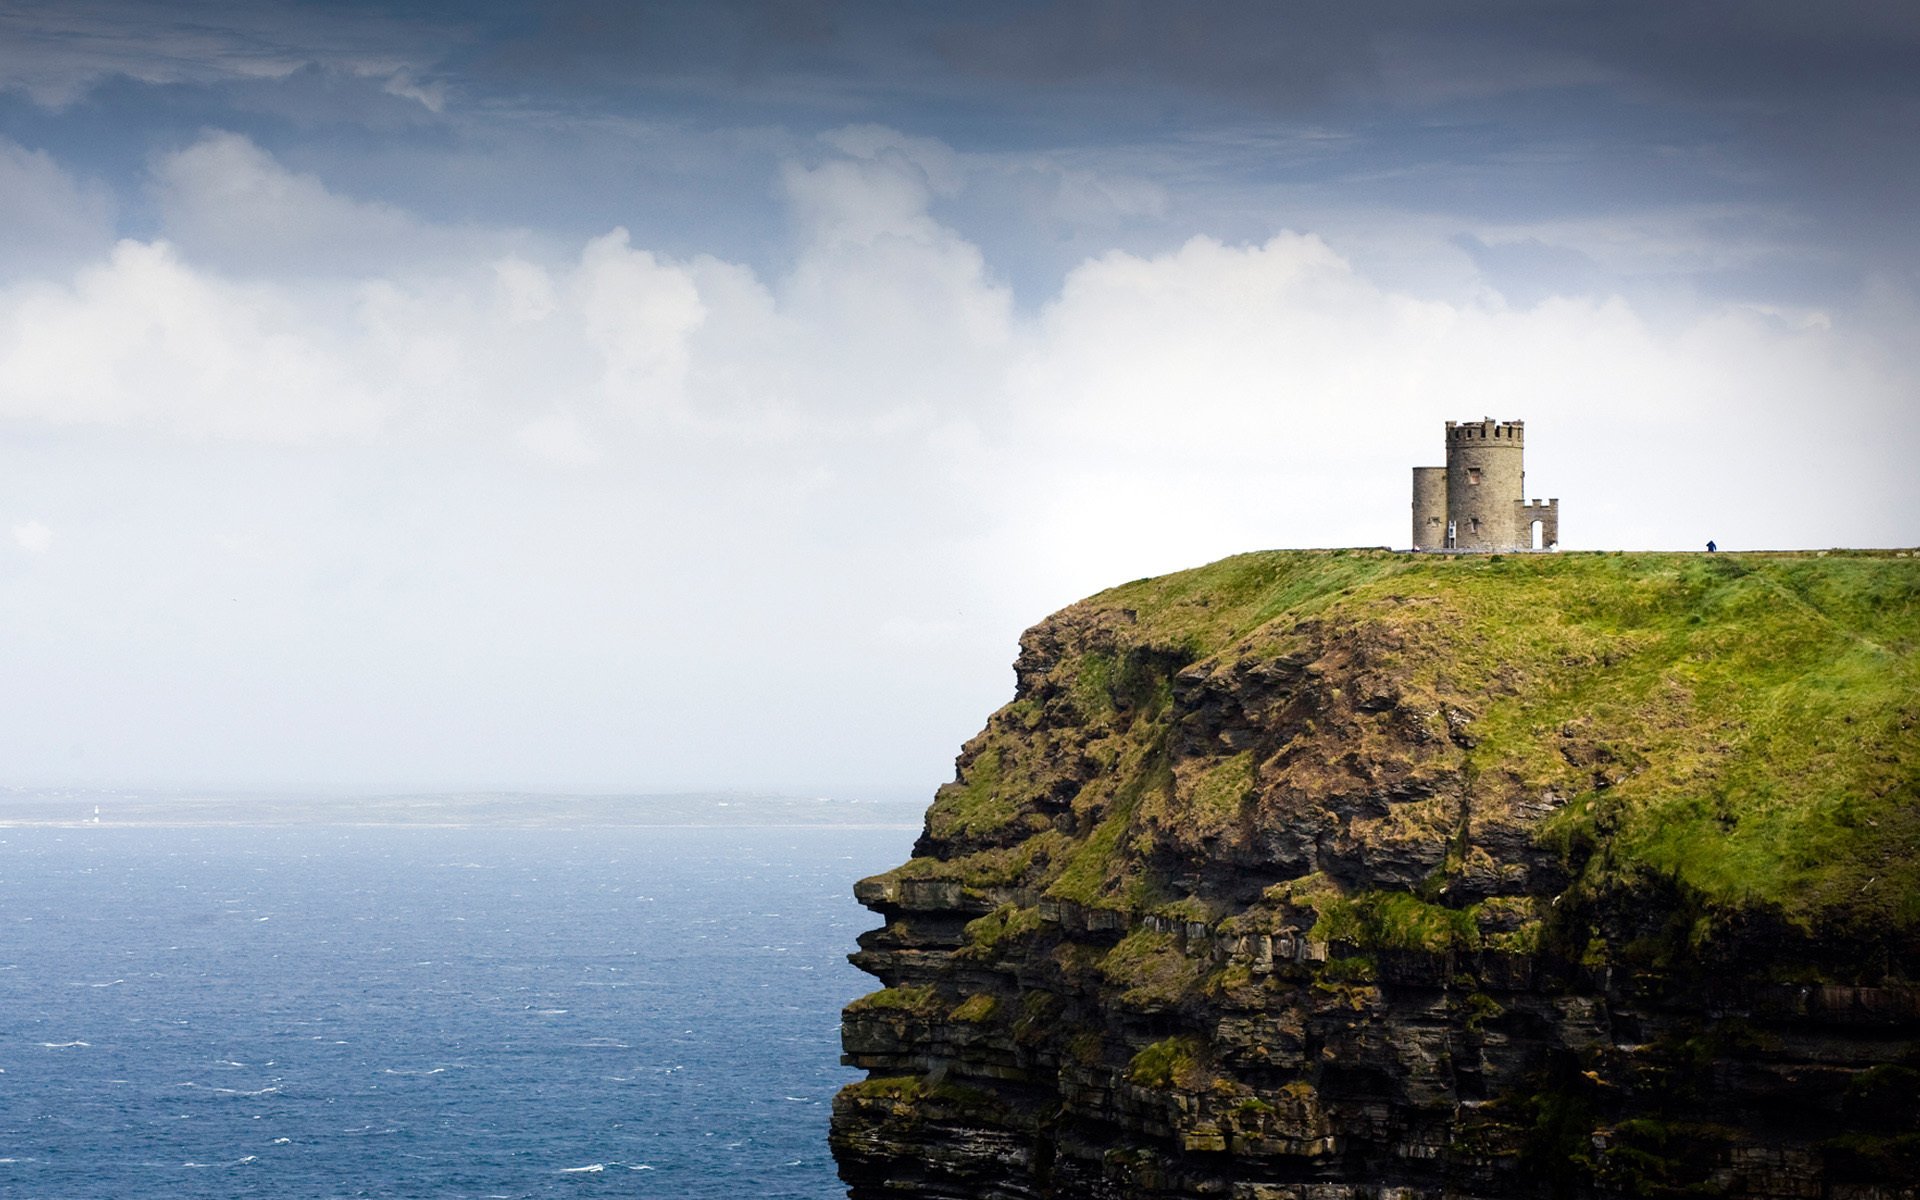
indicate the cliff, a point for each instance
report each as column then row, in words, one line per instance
column 1353, row 874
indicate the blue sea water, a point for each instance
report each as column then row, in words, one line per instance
column 404, row 1012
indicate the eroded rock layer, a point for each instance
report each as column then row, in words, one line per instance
column 1349, row 874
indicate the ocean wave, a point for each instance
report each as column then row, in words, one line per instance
column 64, row 1045
column 227, row 1091
column 597, row 1168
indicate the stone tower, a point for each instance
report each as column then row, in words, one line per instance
column 1477, row 501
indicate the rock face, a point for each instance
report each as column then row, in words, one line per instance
column 1319, row 876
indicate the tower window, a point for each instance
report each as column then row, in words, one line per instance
column 1473, row 476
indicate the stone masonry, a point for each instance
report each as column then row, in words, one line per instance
column 1477, row 501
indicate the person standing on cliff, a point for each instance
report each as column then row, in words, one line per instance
column 1711, row 547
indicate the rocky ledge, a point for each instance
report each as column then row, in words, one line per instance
column 1348, row 874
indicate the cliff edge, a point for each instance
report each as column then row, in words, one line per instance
column 1351, row 874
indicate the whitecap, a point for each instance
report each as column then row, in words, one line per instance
column 236, row 1162
column 283, row 1141
column 640, row 1167
column 64, row 1045
column 113, row 983
column 226, row 1091
column 589, row 1169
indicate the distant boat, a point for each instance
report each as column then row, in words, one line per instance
column 96, row 814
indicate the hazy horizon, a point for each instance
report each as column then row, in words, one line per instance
column 693, row 397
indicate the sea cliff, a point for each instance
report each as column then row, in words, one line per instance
column 1351, row 874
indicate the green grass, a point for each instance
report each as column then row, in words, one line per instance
column 922, row 1000
column 1009, row 923
column 1094, row 873
column 975, row 1009
column 1150, row 969
column 1394, row 921
column 1214, row 795
column 911, row 1092
column 973, row 804
column 1170, row 1063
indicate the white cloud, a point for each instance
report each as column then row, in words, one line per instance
column 401, row 83
column 525, row 290
column 1277, row 365
column 33, row 537
column 598, row 511
column 637, row 313
column 49, row 220
column 230, row 205
column 143, row 339
column 560, row 439
column 929, row 162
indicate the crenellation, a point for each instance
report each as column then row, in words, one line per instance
column 1487, row 430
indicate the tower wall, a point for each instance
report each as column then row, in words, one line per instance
column 1485, row 484
column 1547, row 514
column 1429, row 508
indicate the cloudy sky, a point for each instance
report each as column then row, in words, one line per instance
column 597, row 395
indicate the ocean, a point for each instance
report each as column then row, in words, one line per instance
column 332, row 1011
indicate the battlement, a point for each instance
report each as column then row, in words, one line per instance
column 1542, row 505
column 1510, row 433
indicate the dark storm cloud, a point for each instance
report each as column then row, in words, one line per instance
column 1754, row 56
column 1298, row 57
column 57, row 53
column 1798, row 123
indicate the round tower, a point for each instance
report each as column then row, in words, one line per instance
column 1429, row 508
column 1485, row 483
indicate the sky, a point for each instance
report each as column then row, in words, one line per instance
column 615, row 397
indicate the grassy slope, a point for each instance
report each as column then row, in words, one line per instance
column 1750, row 723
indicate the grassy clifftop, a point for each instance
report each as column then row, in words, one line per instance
column 1330, row 725
column 1348, row 872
